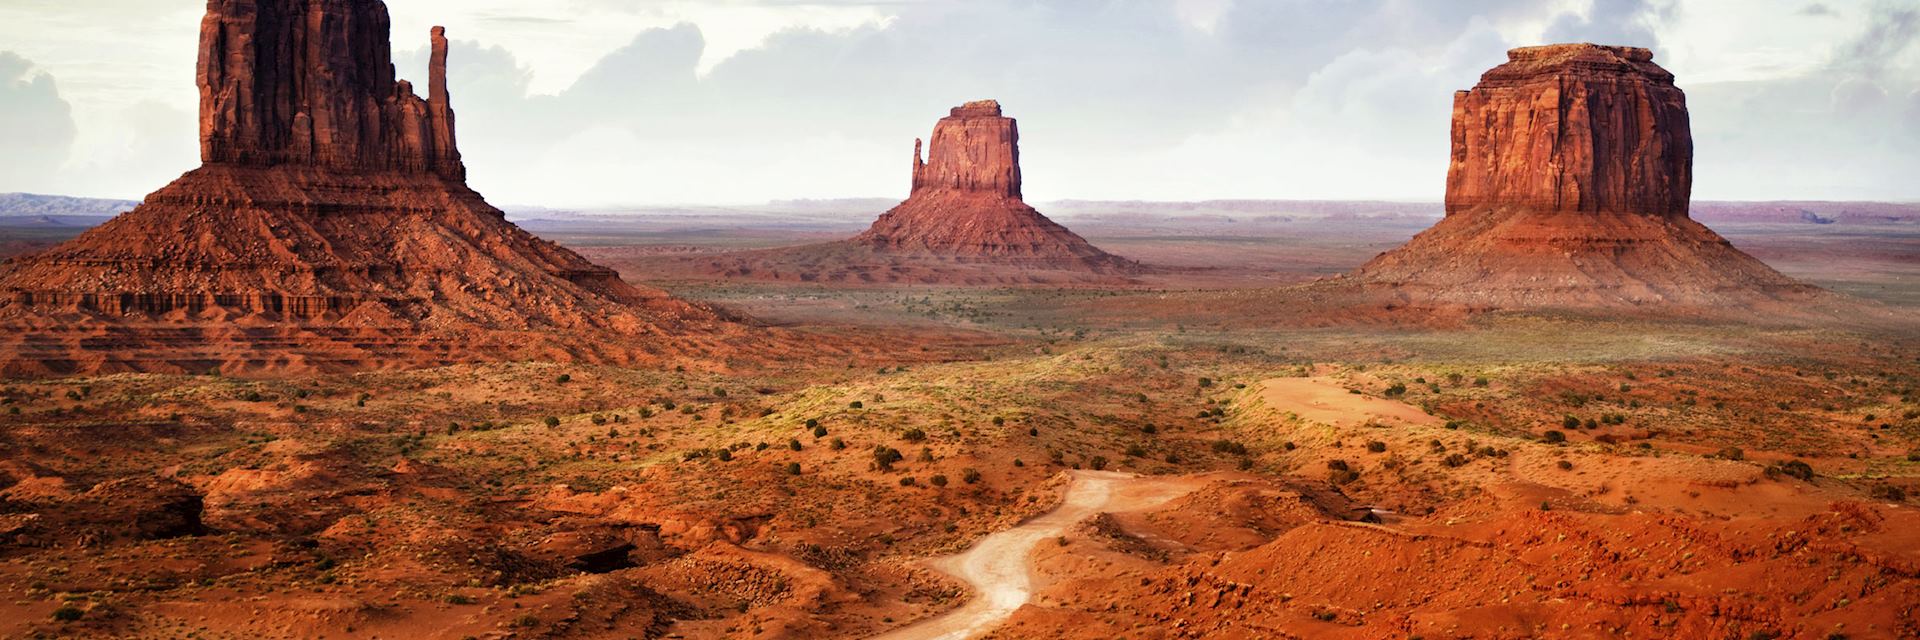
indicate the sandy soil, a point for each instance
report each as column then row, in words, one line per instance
column 998, row 568
column 1325, row 401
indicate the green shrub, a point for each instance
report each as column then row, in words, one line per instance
column 884, row 457
column 938, row 481
column 794, row 444
column 793, row 468
column 552, row 422
column 914, row 435
column 563, row 379
column 970, row 476
column 725, row 455
column 1377, row 447
column 1554, row 437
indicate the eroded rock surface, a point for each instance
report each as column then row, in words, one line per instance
column 1571, row 174
column 330, row 228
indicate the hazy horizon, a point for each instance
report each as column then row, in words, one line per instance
column 602, row 103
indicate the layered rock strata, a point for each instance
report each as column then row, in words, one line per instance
column 966, row 203
column 330, row 228
column 1571, row 174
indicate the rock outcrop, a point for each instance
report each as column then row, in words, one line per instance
column 966, row 203
column 1571, row 175
column 330, row 228
column 964, row 223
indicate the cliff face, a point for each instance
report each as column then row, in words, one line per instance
column 1571, row 173
column 1574, row 127
column 329, row 229
column 975, row 151
column 311, row 83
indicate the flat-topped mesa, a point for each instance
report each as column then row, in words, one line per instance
column 311, row 83
column 975, row 151
column 1573, row 127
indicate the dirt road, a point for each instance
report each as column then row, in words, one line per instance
column 997, row 567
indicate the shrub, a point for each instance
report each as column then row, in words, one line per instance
column 1455, row 460
column 938, row 481
column 908, row 481
column 794, row 444
column 813, row 423
column 551, row 422
column 793, row 468
column 1377, row 447
column 252, row 396
column 563, row 379
column 1338, row 465
column 1098, row 463
column 1792, row 469
column 1229, row 447
column 819, row 431
column 999, row 421
column 1149, row 429
column 1554, row 437
column 1731, row 453
column 1564, row 465
column 1342, row 476
column 1289, row 446
column 1480, row 382
column 1888, row 492
column 884, row 457
column 1206, row 382
column 914, row 435
column 857, row 404
column 970, row 475
column 1398, row 389
column 67, row 613
column 1033, row 432
column 836, row 444
column 725, row 455
column 1136, row 451
column 1019, row 463
column 1570, row 422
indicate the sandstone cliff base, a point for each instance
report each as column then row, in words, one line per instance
column 290, row 269
column 1517, row 258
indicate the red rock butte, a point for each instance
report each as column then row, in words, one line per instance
column 964, row 223
column 1571, row 176
column 329, row 228
column 966, row 202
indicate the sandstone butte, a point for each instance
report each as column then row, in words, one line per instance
column 1569, row 187
column 966, row 202
column 965, row 222
column 329, row 228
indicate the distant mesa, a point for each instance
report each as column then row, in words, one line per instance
column 1569, row 186
column 965, row 222
column 330, row 227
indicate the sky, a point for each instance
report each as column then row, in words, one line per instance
column 586, row 103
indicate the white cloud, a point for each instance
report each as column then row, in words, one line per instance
column 599, row 101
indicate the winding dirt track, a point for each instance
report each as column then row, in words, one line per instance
column 997, row 566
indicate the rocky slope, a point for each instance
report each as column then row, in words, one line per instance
column 330, row 228
column 1569, row 187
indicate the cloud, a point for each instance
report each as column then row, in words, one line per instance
column 1818, row 9
column 1614, row 22
column 36, row 123
column 1844, row 130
